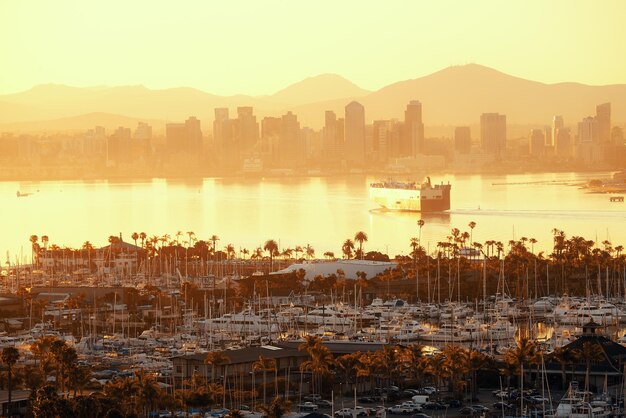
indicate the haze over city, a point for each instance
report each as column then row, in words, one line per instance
column 289, row 209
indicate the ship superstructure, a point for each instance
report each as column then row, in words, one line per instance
column 411, row 196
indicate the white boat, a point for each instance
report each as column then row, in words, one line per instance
column 243, row 323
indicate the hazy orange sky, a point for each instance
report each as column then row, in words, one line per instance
column 258, row 47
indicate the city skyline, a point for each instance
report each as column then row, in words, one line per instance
column 216, row 47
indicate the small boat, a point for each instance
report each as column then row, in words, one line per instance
column 20, row 194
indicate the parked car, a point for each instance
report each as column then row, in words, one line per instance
column 308, row 406
column 428, row 390
column 454, row 403
column 480, row 408
column 313, row 397
column 502, row 405
column 323, row 403
column 467, row 410
column 366, row 400
column 420, row 415
column 344, row 413
column 401, row 409
column 433, row 405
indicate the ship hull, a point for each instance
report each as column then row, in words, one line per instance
column 411, row 200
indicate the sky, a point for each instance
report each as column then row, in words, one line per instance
column 257, row 47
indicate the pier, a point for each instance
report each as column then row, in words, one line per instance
column 616, row 198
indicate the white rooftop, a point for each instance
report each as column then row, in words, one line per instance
column 349, row 268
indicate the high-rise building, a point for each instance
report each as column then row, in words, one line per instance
column 563, row 143
column 355, row 133
column 143, row 131
column 291, row 149
column 184, row 137
column 414, row 128
column 270, row 137
column 587, row 130
column 617, row 136
column 603, row 120
column 536, row 142
column 222, row 130
column 246, row 128
column 330, row 135
column 381, row 132
column 493, row 133
column 557, row 123
column 462, row 140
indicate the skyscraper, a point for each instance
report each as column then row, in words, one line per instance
column 414, row 127
column 381, row 130
column 291, row 149
column 603, row 119
column 184, row 137
column 557, row 123
column 563, row 143
column 355, row 133
column 587, row 130
column 493, row 133
column 246, row 128
column 462, row 139
column 222, row 130
column 536, row 142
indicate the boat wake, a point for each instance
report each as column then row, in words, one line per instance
column 533, row 213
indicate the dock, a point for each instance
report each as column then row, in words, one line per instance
column 616, row 198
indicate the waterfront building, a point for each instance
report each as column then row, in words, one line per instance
column 493, row 133
column 462, row 140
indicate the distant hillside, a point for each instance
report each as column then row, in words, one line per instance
column 79, row 124
column 453, row 96
column 458, row 95
column 318, row 89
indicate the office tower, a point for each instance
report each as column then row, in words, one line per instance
column 291, row 149
column 222, row 130
column 587, row 130
column 184, row 137
column 603, row 122
column 270, row 137
column 493, row 133
column 462, row 140
column 414, row 128
column 354, row 133
column 246, row 128
column 617, row 136
column 536, row 142
column 381, row 132
column 557, row 123
column 143, row 131
column 563, row 143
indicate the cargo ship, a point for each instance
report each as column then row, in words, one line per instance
column 412, row 197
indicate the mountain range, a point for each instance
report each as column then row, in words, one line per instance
column 456, row 95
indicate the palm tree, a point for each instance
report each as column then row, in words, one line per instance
column 319, row 364
column 276, row 409
column 271, row 247
column 360, row 237
column 347, row 248
column 524, row 353
column 9, row 356
column 215, row 359
column 590, row 352
column 142, row 237
column 310, row 251
column 472, row 225
column 135, row 237
column 265, row 365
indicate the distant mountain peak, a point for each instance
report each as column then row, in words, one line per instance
column 318, row 88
